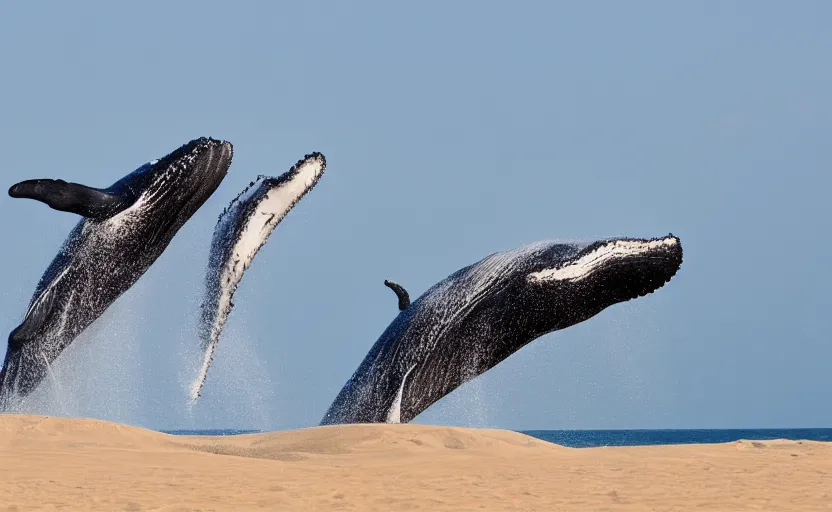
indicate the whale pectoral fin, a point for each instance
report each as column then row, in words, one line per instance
column 394, row 415
column 70, row 197
column 37, row 315
column 401, row 293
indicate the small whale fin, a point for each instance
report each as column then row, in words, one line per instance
column 35, row 318
column 70, row 197
column 401, row 293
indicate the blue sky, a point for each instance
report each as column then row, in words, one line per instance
column 452, row 130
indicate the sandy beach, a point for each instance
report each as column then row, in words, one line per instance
column 53, row 463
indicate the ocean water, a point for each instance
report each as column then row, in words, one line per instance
column 220, row 432
column 595, row 438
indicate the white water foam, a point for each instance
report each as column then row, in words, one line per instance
column 240, row 384
column 475, row 404
column 100, row 374
column 591, row 375
column 130, row 367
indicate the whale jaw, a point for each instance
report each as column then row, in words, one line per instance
column 618, row 269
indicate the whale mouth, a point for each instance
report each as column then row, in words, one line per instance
column 628, row 267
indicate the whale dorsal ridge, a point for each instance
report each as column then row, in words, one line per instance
column 70, row 197
column 401, row 293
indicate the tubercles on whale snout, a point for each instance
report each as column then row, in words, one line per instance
column 208, row 155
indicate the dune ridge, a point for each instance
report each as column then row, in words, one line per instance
column 49, row 463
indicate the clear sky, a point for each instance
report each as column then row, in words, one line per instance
column 452, row 130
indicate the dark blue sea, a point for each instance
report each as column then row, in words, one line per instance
column 593, row 438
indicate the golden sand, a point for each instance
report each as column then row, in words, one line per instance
column 49, row 463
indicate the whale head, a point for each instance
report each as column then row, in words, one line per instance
column 183, row 179
column 569, row 283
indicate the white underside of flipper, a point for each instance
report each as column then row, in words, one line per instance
column 242, row 230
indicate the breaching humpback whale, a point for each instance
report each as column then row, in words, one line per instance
column 481, row 314
column 125, row 228
column 242, row 229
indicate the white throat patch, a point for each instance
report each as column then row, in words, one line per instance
column 587, row 264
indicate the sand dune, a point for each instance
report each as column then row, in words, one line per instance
column 75, row 464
